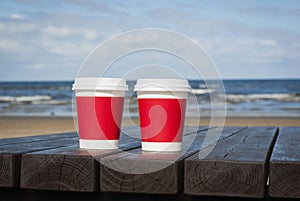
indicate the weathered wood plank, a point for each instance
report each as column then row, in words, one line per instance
column 8, row 141
column 137, row 171
column 69, row 168
column 237, row 166
column 15, row 194
column 10, row 157
column 285, row 164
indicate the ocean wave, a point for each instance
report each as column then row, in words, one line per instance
column 201, row 91
column 202, row 86
column 236, row 98
column 24, row 99
column 52, row 102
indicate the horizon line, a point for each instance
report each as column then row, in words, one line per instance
column 190, row 79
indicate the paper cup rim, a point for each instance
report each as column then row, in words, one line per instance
column 96, row 83
column 180, row 85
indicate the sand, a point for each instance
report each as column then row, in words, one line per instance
column 28, row 126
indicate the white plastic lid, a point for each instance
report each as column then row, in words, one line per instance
column 162, row 85
column 95, row 83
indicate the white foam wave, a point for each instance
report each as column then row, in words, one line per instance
column 202, row 86
column 235, row 98
column 20, row 99
column 201, row 91
column 209, row 85
column 51, row 102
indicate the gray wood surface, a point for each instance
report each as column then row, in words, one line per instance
column 68, row 168
column 236, row 166
column 138, row 171
column 10, row 155
column 285, row 164
column 18, row 140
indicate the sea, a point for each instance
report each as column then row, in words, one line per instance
column 243, row 98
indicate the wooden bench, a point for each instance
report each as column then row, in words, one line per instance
column 148, row 172
column 235, row 163
column 68, row 168
column 12, row 149
column 71, row 168
column 285, row 164
column 237, row 166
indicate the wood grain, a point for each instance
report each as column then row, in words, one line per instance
column 8, row 141
column 236, row 166
column 138, row 171
column 10, row 156
column 68, row 168
column 285, row 164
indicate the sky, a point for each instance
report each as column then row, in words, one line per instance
column 49, row 40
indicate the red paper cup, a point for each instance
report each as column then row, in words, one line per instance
column 99, row 103
column 162, row 104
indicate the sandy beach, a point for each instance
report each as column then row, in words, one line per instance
column 28, row 126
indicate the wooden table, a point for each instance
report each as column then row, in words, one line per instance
column 250, row 162
column 285, row 164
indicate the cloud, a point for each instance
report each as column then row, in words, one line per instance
column 248, row 51
column 99, row 7
column 38, row 66
column 58, row 31
column 90, row 34
column 16, row 27
column 45, row 34
column 13, row 47
column 17, row 16
column 269, row 42
column 66, row 48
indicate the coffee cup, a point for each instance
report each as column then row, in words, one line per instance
column 162, row 105
column 99, row 103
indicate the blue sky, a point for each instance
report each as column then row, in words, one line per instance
column 48, row 40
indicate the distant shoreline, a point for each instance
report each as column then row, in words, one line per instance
column 27, row 126
column 243, row 97
column 190, row 79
